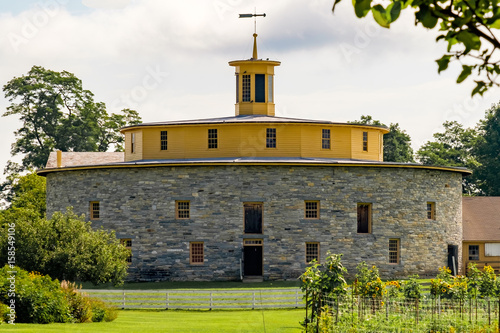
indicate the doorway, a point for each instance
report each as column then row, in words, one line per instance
column 252, row 257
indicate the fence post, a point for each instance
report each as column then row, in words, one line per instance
column 211, row 300
column 123, row 300
column 499, row 313
column 416, row 310
column 167, row 299
column 296, row 298
column 253, row 300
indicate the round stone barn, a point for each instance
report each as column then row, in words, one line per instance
column 258, row 196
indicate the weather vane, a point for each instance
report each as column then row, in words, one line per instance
column 255, row 19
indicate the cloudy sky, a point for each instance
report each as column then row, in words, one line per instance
column 168, row 60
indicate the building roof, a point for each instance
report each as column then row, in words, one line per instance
column 79, row 161
column 481, row 218
column 250, row 119
column 71, row 159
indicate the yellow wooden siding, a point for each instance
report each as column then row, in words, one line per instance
column 493, row 261
column 138, row 153
column 373, row 152
column 249, row 140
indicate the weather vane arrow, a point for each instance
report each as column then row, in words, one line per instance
column 254, row 56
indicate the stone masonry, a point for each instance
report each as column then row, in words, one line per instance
column 139, row 203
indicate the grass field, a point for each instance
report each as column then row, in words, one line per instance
column 195, row 285
column 129, row 321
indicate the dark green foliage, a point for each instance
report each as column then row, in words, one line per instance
column 412, row 288
column 25, row 192
column 57, row 113
column 487, row 152
column 397, row 143
column 38, row 298
column 468, row 28
column 41, row 300
column 454, row 147
column 64, row 247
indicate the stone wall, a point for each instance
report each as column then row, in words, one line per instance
column 139, row 203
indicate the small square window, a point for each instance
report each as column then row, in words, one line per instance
column 312, row 252
column 212, row 138
column 473, row 252
column 393, row 251
column 182, row 209
column 431, row 210
column 325, row 139
column 271, row 138
column 127, row 242
column 94, row 210
column 312, row 209
column 164, row 140
column 196, row 254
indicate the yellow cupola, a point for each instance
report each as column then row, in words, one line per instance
column 254, row 84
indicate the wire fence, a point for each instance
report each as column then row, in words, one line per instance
column 356, row 314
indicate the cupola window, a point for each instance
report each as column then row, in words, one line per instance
column 260, row 88
column 270, row 89
column 365, row 141
column 325, row 139
column 245, row 89
column 163, row 140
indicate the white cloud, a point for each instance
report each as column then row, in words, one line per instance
column 106, row 4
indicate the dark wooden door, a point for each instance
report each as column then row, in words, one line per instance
column 252, row 260
column 253, row 218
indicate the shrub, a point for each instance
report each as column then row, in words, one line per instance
column 412, row 288
column 38, row 299
column 79, row 305
column 102, row 311
column 4, row 310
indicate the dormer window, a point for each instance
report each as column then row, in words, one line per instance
column 270, row 93
column 132, row 143
column 212, row 138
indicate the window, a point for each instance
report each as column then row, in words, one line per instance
column 393, row 251
column 245, row 88
column 163, row 140
column 312, row 252
column 127, row 242
column 312, row 210
column 473, row 252
column 94, row 210
column 132, row 143
column 237, row 88
column 270, row 88
column 212, row 138
column 492, row 249
column 431, row 210
column 270, row 137
column 365, row 141
column 325, row 139
column 196, row 255
column 253, row 218
column 260, row 88
column 364, row 218
column 182, row 209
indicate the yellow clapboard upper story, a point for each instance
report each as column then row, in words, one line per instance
column 254, row 131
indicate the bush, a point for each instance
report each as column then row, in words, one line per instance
column 102, row 311
column 38, row 299
column 79, row 305
column 41, row 300
column 4, row 310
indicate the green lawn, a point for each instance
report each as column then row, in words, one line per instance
column 196, row 285
column 131, row 321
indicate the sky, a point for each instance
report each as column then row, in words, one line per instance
column 169, row 60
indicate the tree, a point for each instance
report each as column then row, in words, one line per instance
column 27, row 192
column 454, row 148
column 487, row 152
column 397, row 143
column 57, row 113
column 64, row 247
column 468, row 27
